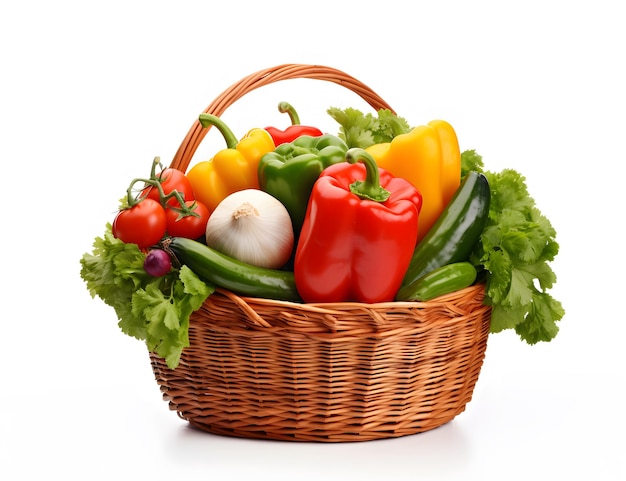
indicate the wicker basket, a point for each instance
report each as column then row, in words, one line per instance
column 260, row 368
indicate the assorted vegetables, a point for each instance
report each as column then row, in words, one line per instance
column 379, row 212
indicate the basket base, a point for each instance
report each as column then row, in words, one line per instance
column 333, row 374
column 342, row 435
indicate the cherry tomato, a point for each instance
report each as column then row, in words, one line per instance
column 143, row 224
column 190, row 226
column 171, row 179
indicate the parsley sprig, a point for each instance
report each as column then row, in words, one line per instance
column 362, row 130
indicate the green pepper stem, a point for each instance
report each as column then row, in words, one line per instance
column 370, row 188
column 208, row 120
column 287, row 108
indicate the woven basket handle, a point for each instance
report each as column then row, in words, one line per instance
column 265, row 77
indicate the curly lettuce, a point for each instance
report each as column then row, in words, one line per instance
column 153, row 309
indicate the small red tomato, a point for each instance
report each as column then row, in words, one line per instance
column 170, row 179
column 143, row 224
column 189, row 226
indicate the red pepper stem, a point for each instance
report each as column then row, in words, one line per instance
column 208, row 120
column 287, row 108
column 370, row 188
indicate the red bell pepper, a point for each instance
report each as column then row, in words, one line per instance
column 359, row 233
column 294, row 131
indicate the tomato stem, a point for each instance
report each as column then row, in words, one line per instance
column 156, row 162
column 184, row 210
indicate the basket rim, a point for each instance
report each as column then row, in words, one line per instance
column 338, row 307
column 261, row 313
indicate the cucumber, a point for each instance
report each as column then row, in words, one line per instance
column 236, row 276
column 454, row 235
column 443, row 280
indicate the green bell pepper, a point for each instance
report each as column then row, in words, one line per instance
column 289, row 172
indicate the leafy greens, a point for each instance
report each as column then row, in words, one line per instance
column 515, row 249
column 155, row 310
column 363, row 130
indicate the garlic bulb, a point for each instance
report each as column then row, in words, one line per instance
column 253, row 227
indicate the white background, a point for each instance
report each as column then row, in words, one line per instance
column 91, row 92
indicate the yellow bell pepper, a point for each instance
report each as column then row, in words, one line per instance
column 232, row 169
column 429, row 157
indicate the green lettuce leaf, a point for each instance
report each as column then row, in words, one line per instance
column 155, row 310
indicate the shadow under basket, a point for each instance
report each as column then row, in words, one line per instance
column 260, row 368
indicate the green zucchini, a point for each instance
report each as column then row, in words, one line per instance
column 443, row 280
column 232, row 274
column 454, row 235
